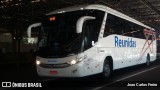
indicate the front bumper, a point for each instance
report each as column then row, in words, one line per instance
column 70, row 71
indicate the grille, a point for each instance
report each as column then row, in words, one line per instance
column 62, row 65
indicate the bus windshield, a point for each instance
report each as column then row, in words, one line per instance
column 58, row 37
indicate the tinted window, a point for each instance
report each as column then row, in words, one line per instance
column 91, row 29
column 58, row 37
column 119, row 26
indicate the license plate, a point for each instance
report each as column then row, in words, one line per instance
column 53, row 72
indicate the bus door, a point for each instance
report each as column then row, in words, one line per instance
column 91, row 64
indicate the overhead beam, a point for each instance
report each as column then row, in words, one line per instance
column 149, row 5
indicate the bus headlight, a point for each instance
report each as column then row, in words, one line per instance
column 38, row 62
column 72, row 62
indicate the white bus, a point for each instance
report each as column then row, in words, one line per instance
column 84, row 40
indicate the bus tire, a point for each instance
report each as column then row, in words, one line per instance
column 106, row 69
column 148, row 60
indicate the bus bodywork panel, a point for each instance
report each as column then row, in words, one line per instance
column 124, row 56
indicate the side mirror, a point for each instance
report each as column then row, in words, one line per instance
column 30, row 39
column 30, row 27
column 80, row 22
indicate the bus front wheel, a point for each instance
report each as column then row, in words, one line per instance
column 106, row 69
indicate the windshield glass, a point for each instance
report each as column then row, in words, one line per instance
column 58, row 37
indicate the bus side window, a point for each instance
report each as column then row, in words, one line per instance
column 122, row 27
column 111, row 26
column 137, row 34
column 107, row 31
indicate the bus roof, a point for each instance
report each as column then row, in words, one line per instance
column 79, row 7
column 98, row 7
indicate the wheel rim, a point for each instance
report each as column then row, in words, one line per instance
column 106, row 70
